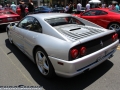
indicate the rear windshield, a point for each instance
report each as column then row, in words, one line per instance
column 63, row 20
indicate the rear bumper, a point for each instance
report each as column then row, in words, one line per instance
column 78, row 66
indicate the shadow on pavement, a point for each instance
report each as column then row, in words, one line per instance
column 79, row 82
column 3, row 28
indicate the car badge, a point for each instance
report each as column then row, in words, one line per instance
column 101, row 43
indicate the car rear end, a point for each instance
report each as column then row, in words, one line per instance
column 95, row 47
column 10, row 17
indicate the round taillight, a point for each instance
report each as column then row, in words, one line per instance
column 74, row 53
column 82, row 51
column 113, row 37
column 116, row 36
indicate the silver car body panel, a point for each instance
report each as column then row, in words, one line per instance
column 58, row 40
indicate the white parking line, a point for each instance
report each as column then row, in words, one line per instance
column 17, row 68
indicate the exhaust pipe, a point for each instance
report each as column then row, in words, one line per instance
column 110, row 56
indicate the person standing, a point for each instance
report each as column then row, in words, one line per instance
column 22, row 8
column 66, row 7
column 70, row 8
column 13, row 7
column 116, row 7
column 119, row 6
column 30, row 7
column 87, row 6
column 79, row 6
column 0, row 7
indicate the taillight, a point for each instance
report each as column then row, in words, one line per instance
column 115, row 37
column 82, row 51
column 74, row 53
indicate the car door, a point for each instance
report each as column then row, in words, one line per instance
column 23, row 27
column 18, row 37
column 96, row 16
column 91, row 15
column 30, row 36
column 103, row 18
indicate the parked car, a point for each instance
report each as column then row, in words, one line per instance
column 43, row 9
column 58, row 9
column 7, row 16
column 62, row 44
column 82, row 10
column 106, row 18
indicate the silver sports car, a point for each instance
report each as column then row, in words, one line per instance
column 62, row 44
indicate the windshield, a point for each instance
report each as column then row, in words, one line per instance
column 63, row 20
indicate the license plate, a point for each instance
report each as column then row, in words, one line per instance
column 100, row 57
column 9, row 19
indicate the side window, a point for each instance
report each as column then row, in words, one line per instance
column 103, row 13
column 26, row 23
column 90, row 13
column 36, row 26
column 87, row 13
column 41, row 8
column 23, row 23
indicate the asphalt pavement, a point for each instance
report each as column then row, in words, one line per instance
column 17, row 69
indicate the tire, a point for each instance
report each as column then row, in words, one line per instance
column 114, row 26
column 9, row 37
column 43, row 63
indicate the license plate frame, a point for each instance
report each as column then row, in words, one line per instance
column 9, row 19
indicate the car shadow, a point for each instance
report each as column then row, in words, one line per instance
column 79, row 82
column 3, row 28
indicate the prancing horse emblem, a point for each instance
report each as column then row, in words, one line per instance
column 101, row 43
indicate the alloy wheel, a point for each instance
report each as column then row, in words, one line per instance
column 42, row 63
column 114, row 26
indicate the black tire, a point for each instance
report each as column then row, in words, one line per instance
column 43, row 63
column 9, row 37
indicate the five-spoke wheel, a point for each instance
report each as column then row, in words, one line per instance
column 114, row 26
column 43, row 63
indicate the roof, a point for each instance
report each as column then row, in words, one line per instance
column 49, row 15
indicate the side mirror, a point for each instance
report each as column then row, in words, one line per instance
column 12, row 24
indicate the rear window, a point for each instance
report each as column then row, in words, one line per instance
column 63, row 20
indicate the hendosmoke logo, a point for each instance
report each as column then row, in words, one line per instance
column 21, row 87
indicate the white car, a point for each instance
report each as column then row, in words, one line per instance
column 62, row 44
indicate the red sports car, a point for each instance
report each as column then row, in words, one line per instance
column 7, row 16
column 104, row 17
